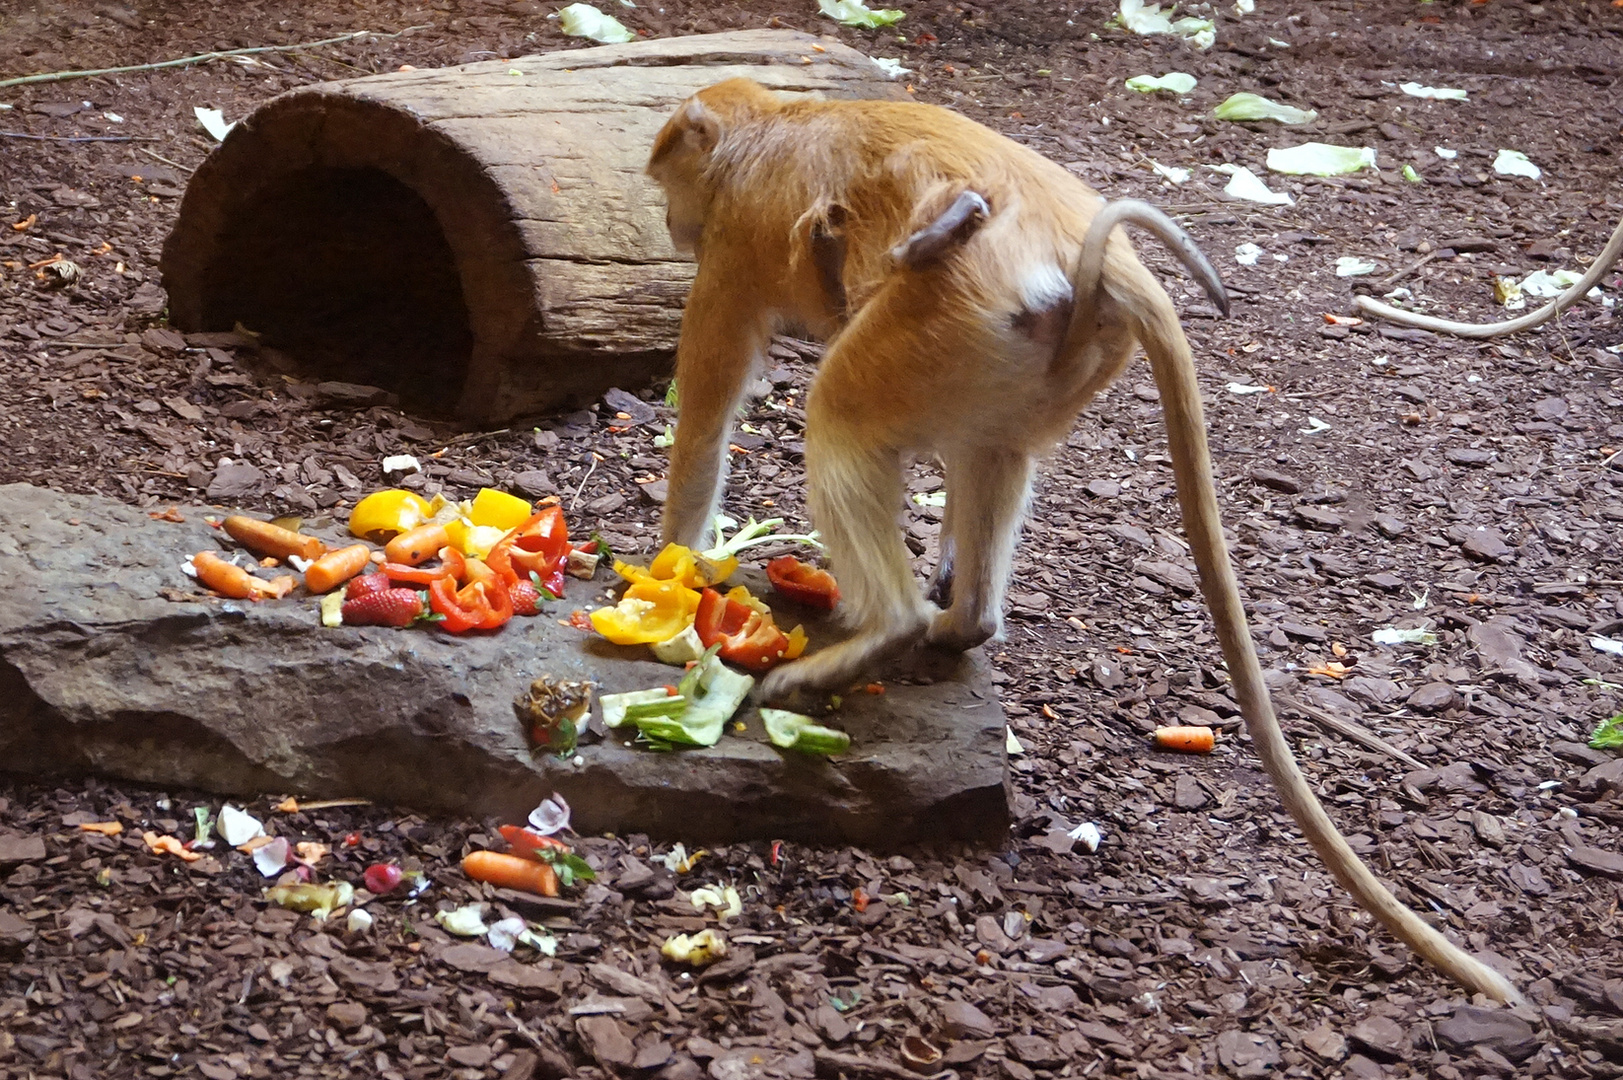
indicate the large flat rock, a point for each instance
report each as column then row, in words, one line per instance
column 110, row 663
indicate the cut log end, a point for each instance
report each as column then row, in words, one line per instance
column 479, row 240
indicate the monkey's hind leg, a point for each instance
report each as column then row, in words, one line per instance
column 988, row 490
column 854, row 490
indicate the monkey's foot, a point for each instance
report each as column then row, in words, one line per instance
column 836, row 667
column 948, row 632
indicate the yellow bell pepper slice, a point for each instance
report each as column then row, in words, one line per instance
column 499, row 510
column 651, row 611
column 472, row 540
column 742, row 595
column 678, row 563
column 797, row 643
column 383, row 514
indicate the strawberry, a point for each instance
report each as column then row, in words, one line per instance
column 526, row 598
column 366, row 584
column 391, row 607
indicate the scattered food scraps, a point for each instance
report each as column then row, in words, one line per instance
column 1134, row 16
column 793, row 731
column 1178, row 82
column 166, row 844
column 1247, row 185
column 697, row 950
column 1320, row 159
column 856, row 13
column 106, row 828
column 1353, row 266
column 318, row 901
column 1405, row 635
column 1247, row 254
column 584, row 20
column 1190, row 739
column 1608, row 734
column 1243, row 107
column 1435, row 93
column 1515, row 163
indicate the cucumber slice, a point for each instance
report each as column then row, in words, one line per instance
column 794, row 731
column 615, row 705
column 671, row 706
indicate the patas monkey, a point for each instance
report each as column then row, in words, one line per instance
column 977, row 296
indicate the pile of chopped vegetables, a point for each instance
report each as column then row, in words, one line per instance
column 465, row 566
column 472, row 566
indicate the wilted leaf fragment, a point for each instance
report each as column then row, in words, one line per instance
column 319, row 901
column 1176, row 81
column 1133, row 15
column 1245, row 106
column 1404, row 635
column 856, row 13
column 1171, row 172
column 699, row 950
column 1608, row 734
column 1245, row 184
column 584, row 20
column 465, row 921
column 1435, row 93
column 1321, row 159
column 1515, row 163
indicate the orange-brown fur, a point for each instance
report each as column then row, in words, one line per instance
column 981, row 358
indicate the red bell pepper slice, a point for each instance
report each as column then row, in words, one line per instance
column 748, row 638
column 481, row 605
column 528, row 843
column 452, row 565
column 803, row 583
column 540, row 546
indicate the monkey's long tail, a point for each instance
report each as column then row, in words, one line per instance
column 1597, row 270
column 1174, row 368
column 1090, row 264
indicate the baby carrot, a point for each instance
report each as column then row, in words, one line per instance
column 416, row 546
column 337, row 567
column 1191, row 740
column 263, row 538
column 511, row 872
column 233, row 581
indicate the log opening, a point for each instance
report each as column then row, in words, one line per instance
column 481, row 240
column 348, row 271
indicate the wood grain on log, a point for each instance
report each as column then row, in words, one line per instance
column 482, row 238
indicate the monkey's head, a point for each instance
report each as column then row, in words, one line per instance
column 684, row 152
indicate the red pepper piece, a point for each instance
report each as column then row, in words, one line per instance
column 540, row 546
column 748, row 638
column 803, row 583
column 480, row 605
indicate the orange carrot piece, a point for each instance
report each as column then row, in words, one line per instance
column 416, row 546
column 1191, row 740
column 511, row 872
column 337, row 567
column 263, row 538
column 230, row 580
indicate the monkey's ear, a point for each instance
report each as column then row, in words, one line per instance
column 700, row 128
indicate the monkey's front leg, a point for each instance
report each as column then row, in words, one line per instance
column 724, row 331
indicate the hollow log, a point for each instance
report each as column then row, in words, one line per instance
column 480, row 239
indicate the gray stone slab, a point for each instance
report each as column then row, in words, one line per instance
column 107, row 666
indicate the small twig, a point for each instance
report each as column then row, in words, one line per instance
column 589, row 470
column 76, row 138
column 1346, row 728
column 865, row 1066
column 200, row 58
column 155, row 156
column 1406, row 271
